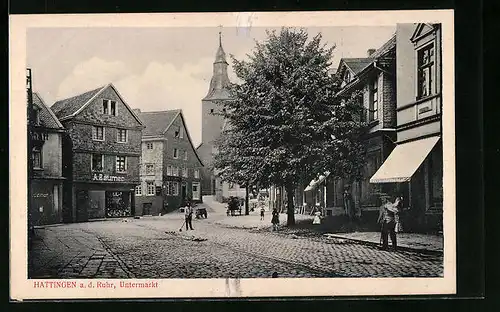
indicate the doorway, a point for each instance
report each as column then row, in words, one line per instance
column 183, row 191
column 146, row 209
column 196, row 191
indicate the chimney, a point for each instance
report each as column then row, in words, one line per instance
column 370, row 52
column 137, row 110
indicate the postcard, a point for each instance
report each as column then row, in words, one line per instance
column 232, row 155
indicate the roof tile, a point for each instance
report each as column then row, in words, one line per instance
column 157, row 122
column 47, row 118
column 66, row 107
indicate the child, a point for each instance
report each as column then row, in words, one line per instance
column 275, row 219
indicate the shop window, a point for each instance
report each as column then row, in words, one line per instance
column 369, row 191
column 121, row 135
column 150, row 188
column 149, row 145
column 138, row 190
column 373, row 109
column 176, row 153
column 121, row 164
column 37, row 158
column 150, row 169
column 436, row 177
column 98, row 133
column 426, row 71
column 97, row 162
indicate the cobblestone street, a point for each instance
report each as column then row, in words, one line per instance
column 153, row 247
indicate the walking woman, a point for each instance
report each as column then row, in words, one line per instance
column 275, row 219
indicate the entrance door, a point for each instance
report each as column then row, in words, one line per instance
column 82, row 203
column 146, row 209
column 183, row 191
column 196, row 191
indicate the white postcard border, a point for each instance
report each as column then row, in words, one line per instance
column 22, row 288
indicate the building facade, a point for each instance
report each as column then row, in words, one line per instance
column 170, row 168
column 101, row 154
column 373, row 79
column 415, row 166
column 212, row 126
column 46, row 202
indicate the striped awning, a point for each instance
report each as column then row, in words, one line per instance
column 404, row 160
column 314, row 183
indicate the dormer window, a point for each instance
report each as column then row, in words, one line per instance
column 177, row 132
column 109, row 107
column 347, row 76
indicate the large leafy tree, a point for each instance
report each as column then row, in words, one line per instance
column 285, row 124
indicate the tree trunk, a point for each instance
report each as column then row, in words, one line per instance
column 247, row 210
column 290, row 207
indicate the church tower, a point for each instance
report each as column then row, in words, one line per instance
column 212, row 124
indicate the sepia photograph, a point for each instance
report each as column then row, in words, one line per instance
column 236, row 151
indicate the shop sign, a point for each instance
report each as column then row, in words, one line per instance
column 106, row 177
column 38, row 195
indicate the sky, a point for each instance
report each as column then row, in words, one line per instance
column 159, row 68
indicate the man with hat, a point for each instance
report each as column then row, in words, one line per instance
column 387, row 218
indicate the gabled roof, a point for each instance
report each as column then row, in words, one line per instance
column 47, row 117
column 69, row 108
column 421, row 30
column 157, row 123
column 356, row 64
column 189, row 138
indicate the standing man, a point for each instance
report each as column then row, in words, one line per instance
column 387, row 218
column 189, row 216
column 348, row 203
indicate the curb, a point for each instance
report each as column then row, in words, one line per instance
column 405, row 248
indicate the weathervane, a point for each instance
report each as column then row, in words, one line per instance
column 220, row 35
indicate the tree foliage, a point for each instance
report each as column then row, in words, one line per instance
column 284, row 122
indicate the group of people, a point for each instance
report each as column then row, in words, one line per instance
column 275, row 218
column 389, row 220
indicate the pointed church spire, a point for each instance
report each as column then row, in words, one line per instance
column 220, row 57
column 220, row 79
